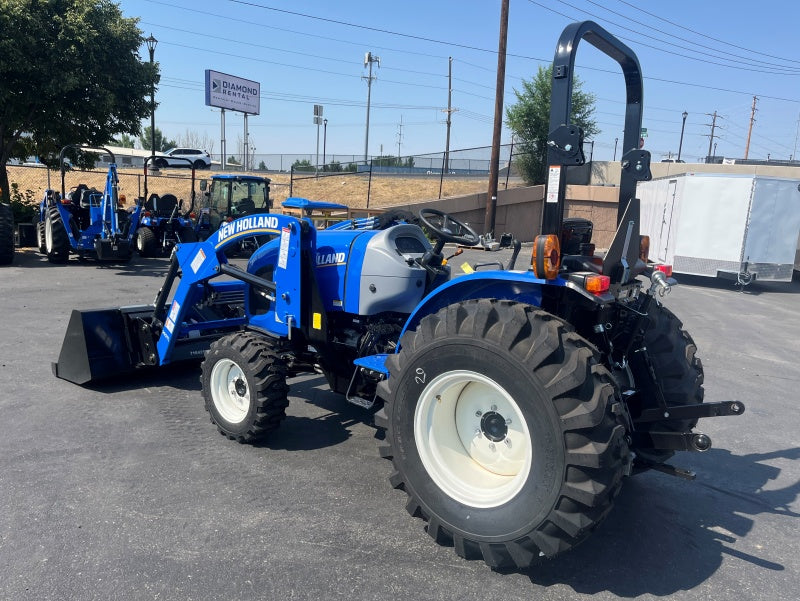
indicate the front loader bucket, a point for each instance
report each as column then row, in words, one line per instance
column 99, row 344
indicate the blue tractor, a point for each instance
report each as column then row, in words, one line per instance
column 163, row 221
column 228, row 197
column 512, row 403
column 86, row 222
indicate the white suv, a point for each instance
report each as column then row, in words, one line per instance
column 199, row 158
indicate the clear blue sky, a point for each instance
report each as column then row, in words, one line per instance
column 699, row 57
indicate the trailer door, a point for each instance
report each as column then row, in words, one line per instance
column 772, row 228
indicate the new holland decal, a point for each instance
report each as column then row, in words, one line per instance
column 325, row 259
column 247, row 226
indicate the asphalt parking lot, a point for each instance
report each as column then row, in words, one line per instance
column 127, row 491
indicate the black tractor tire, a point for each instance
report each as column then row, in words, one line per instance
column 6, row 234
column 146, row 242
column 500, row 423
column 56, row 239
column 187, row 234
column 680, row 372
column 244, row 386
column 40, row 237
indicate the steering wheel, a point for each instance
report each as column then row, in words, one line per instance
column 447, row 228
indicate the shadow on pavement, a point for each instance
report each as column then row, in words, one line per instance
column 665, row 536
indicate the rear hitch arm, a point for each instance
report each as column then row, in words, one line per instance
column 682, row 412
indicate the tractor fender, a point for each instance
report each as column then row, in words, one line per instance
column 520, row 286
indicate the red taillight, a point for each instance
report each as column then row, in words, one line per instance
column 192, row 215
column 665, row 269
column 229, row 219
column 146, row 214
column 597, row 284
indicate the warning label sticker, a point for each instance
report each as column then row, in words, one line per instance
column 283, row 254
column 553, row 177
column 197, row 262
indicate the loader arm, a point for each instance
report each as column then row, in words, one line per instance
column 199, row 263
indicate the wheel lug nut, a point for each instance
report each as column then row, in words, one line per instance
column 508, row 422
column 491, row 446
column 508, row 442
column 478, row 413
column 494, row 407
column 478, row 432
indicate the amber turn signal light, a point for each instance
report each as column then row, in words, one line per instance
column 546, row 258
column 644, row 247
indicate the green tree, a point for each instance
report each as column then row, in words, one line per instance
column 304, row 165
column 162, row 143
column 71, row 74
column 124, row 140
column 529, row 120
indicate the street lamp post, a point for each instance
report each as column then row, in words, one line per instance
column 615, row 148
column 151, row 47
column 683, row 126
column 324, row 141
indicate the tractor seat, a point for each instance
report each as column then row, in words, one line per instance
column 74, row 195
column 90, row 198
column 163, row 205
column 243, row 207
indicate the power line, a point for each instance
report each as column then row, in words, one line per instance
column 706, row 35
column 774, row 71
column 484, row 50
column 769, row 64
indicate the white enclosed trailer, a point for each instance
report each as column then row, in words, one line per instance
column 741, row 226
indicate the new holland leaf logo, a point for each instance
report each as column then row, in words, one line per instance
column 215, row 85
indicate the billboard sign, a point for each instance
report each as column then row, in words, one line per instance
column 233, row 93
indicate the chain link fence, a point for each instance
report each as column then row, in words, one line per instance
column 382, row 181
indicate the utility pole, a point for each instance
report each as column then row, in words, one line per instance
column 711, row 139
column 399, row 138
column 750, row 129
column 449, row 110
column 796, row 132
column 491, row 196
column 369, row 58
column 616, row 140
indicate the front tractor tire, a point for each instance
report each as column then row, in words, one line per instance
column 146, row 242
column 500, row 423
column 244, row 386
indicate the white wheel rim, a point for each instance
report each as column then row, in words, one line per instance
column 48, row 235
column 472, row 439
column 230, row 391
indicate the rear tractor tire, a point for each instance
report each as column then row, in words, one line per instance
column 244, row 386
column 6, row 234
column 500, row 425
column 680, row 372
column 56, row 239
